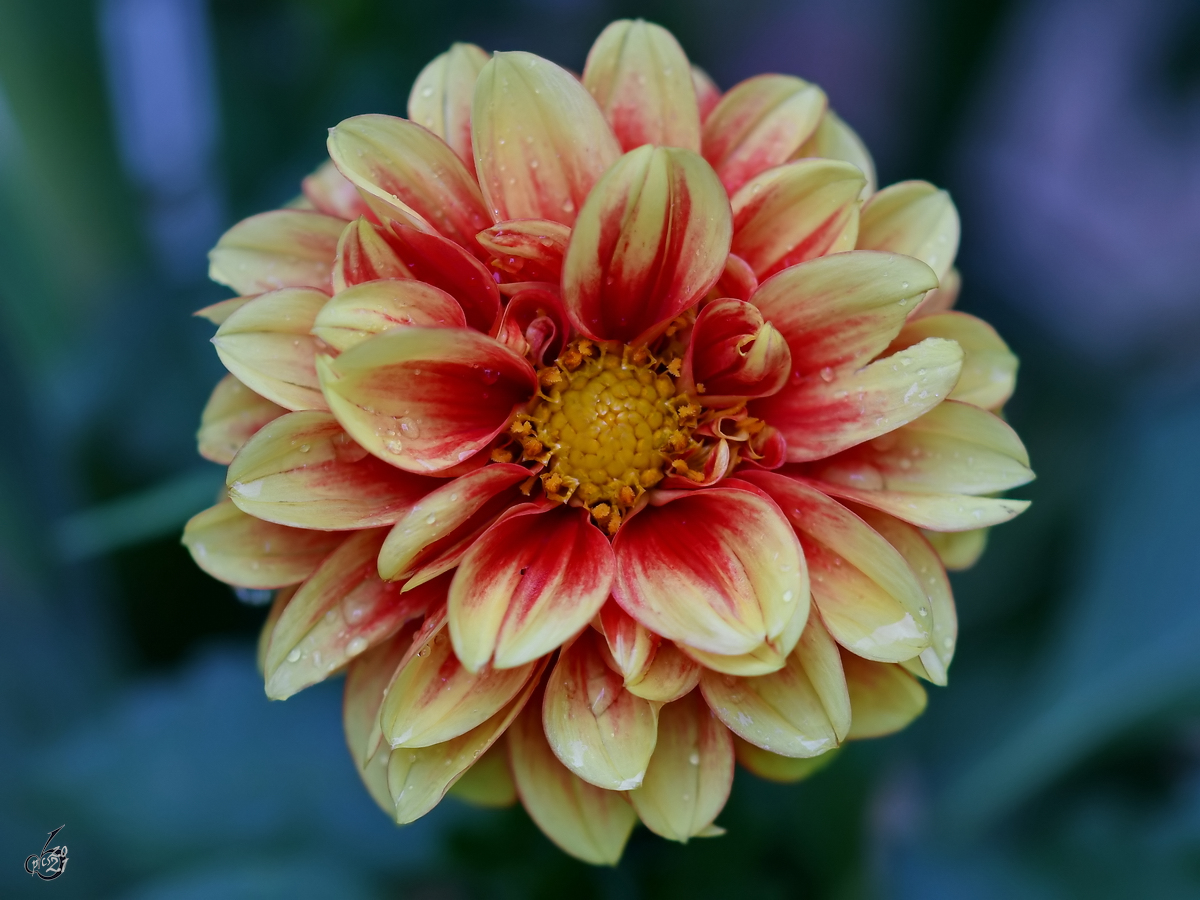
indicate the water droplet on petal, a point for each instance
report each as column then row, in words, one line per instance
column 294, row 656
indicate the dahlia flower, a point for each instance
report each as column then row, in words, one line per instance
column 606, row 431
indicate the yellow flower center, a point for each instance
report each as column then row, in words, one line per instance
column 609, row 424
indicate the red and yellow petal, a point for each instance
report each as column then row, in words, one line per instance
column 527, row 249
column 759, row 124
column 373, row 307
column 303, row 470
column 913, row 218
column 449, row 518
column 278, row 249
column 540, row 141
column 534, row 324
column 409, row 175
column 690, row 774
column 441, row 97
column 597, row 728
column 934, row 512
column 796, row 212
column 233, row 413
column 839, row 312
column 267, row 344
column 641, row 79
column 367, row 678
column 419, row 777
column 819, row 418
column 958, row 550
column 529, row 583
column 331, row 193
column 426, row 399
column 719, row 569
column 248, row 552
column 631, row 646
column 340, row 611
column 488, row 783
column 650, row 241
column 434, row 699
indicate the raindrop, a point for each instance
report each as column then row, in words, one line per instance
column 409, row 427
column 694, row 759
column 827, row 374
column 294, row 656
column 787, row 596
column 423, row 652
column 432, row 520
column 393, row 447
column 304, row 448
column 356, row 646
column 490, row 376
column 923, row 611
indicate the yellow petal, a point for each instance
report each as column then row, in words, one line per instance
column 488, row 783
column 433, row 698
column 936, row 512
column 781, row 769
column 650, row 241
column 769, row 656
column 958, row 550
column 868, row 596
column 597, row 729
column 248, row 552
column 419, row 777
column 540, row 141
column 267, row 344
column 989, row 373
column 441, row 97
column 759, row 124
column 233, row 413
column 409, row 175
column 954, row 448
column 282, row 596
column 708, row 95
column 366, row 680
column 340, row 612
column 277, row 249
column 373, row 307
column 834, row 139
column 585, row 821
column 801, row 710
column 796, row 212
column 217, row 313
column 641, row 78
column 671, row 675
column 913, row 218
column 690, row 773
column 303, row 470
column 934, row 660
column 884, row 697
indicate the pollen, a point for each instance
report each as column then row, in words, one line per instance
column 611, row 425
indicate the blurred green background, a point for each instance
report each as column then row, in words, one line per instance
column 1062, row 761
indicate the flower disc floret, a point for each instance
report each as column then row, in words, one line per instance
column 610, row 423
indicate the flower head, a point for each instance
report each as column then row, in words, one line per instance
column 605, row 431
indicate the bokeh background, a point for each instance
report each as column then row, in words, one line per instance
column 1063, row 760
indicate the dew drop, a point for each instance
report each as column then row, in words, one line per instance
column 356, row 646
column 423, row 652
column 393, row 447
column 294, row 656
column 694, row 759
column 304, row 448
column 787, row 596
column 409, row 428
column 923, row 611
column 432, row 520
column 827, row 374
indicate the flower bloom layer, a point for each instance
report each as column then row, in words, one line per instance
column 605, row 431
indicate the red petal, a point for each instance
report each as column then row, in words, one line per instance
column 528, row 584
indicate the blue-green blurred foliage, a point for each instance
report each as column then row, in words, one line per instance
column 1063, row 760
